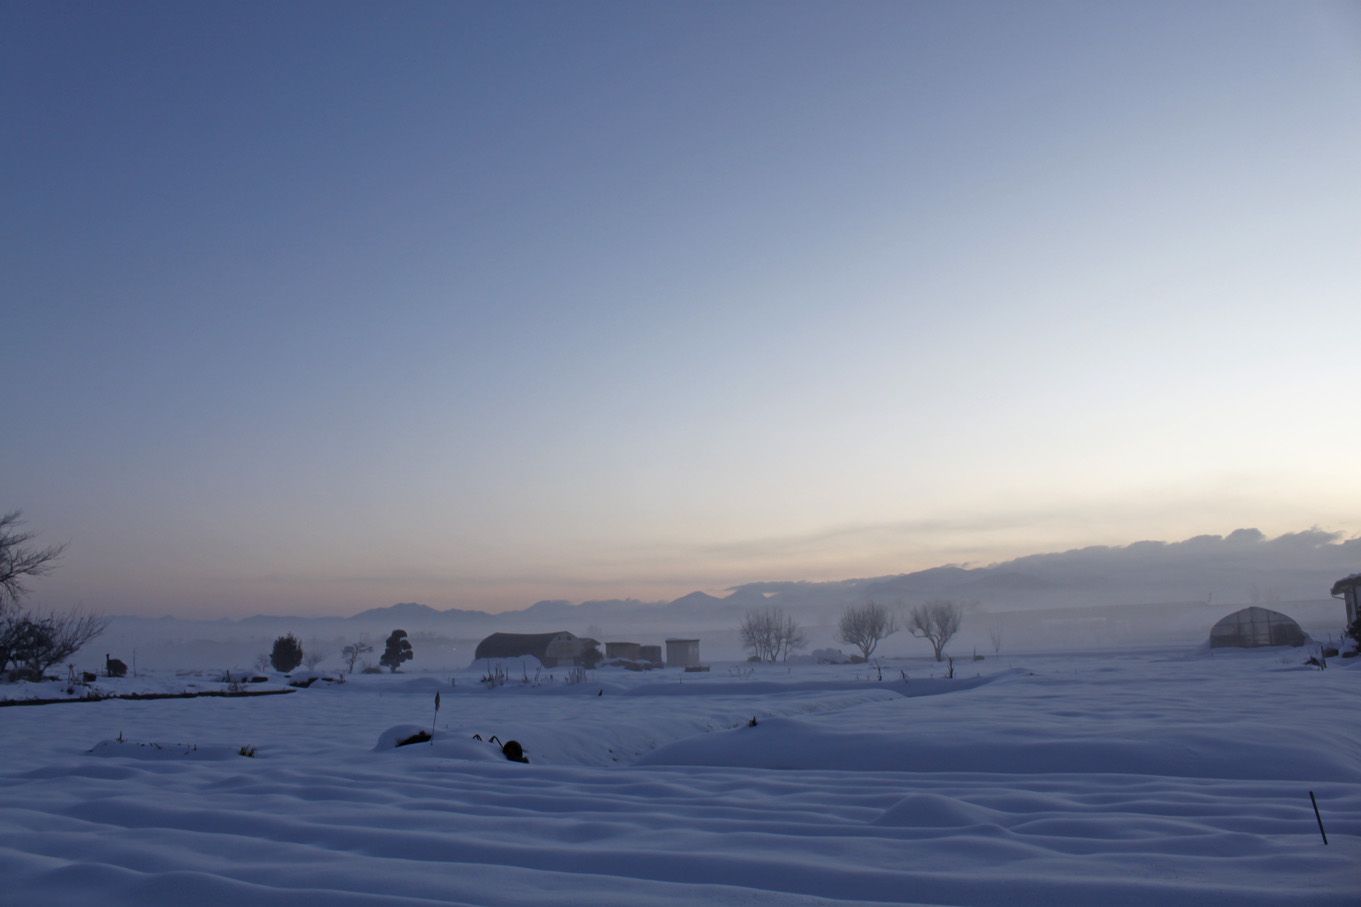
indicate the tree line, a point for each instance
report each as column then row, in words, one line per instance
column 770, row 634
column 288, row 653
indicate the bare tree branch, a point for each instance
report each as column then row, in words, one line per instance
column 18, row 561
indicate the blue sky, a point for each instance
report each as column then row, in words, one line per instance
column 310, row 307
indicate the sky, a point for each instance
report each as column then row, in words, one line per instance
column 311, row 307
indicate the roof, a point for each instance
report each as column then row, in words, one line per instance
column 1347, row 582
column 1256, row 626
column 512, row 645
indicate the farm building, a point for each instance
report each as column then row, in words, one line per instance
column 1252, row 627
column 650, row 653
column 1349, row 590
column 682, row 653
column 553, row 650
column 630, row 651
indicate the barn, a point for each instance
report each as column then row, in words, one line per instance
column 553, row 650
column 1252, row 627
column 629, row 651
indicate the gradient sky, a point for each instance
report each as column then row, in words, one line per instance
column 314, row 307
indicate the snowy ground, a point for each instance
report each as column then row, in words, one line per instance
column 1173, row 777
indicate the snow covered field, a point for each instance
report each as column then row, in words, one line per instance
column 1172, row 777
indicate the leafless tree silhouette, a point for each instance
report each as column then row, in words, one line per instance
column 936, row 622
column 18, row 560
column 771, row 634
column 34, row 644
column 314, row 654
column 863, row 626
column 353, row 652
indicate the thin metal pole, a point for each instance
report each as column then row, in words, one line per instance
column 1318, row 817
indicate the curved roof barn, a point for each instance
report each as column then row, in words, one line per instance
column 551, row 649
column 1252, row 627
column 515, row 645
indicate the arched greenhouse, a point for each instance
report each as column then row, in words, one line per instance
column 1252, row 627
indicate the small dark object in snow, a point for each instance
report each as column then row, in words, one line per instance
column 753, row 722
column 511, row 749
column 600, row 692
column 247, row 750
column 258, row 678
column 88, row 677
column 418, row 737
column 302, row 684
column 115, row 667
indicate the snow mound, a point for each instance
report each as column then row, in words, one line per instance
column 394, row 735
column 935, row 811
column 445, row 745
column 418, row 685
column 1012, row 747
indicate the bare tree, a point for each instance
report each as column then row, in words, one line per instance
column 936, row 622
column 34, row 644
column 863, row 626
column 794, row 637
column 314, row 654
column 995, row 637
column 353, row 652
column 18, row 561
column 31, row 643
column 771, row 634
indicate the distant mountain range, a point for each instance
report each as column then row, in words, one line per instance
column 1242, row 567
column 414, row 611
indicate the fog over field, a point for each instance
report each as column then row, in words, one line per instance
column 1146, row 593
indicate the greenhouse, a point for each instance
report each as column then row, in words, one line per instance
column 1253, row 627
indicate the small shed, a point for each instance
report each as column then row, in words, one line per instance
column 1253, row 627
column 650, row 653
column 682, row 653
column 1349, row 590
column 629, row 651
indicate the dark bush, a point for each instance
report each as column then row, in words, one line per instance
column 396, row 650
column 287, row 653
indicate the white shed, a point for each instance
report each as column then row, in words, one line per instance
column 682, row 653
